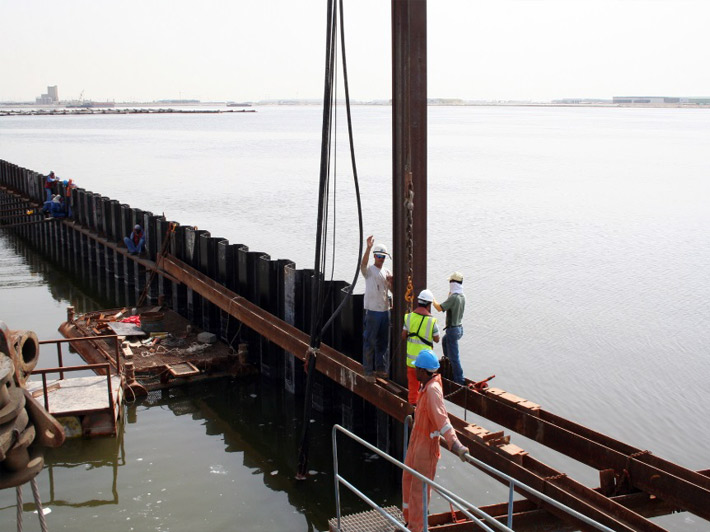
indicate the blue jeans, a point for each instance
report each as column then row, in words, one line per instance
column 132, row 248
column 375, row 341
column 450, row 345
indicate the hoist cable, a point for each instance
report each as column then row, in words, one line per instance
column 317, row 288
column 346, row 87
column 317, row 292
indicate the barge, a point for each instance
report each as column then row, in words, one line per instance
column 152, row 347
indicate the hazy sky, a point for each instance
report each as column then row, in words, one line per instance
column 267, row 49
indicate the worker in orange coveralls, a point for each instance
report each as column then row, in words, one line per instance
column 423, row 452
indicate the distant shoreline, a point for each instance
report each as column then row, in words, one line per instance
column 114, row 111
column 30, row 109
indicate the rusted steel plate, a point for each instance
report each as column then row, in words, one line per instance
column 554, row 484
column 528, row 518
column 678, row 486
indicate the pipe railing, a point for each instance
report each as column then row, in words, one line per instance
column 116, row 361
column 465, row 507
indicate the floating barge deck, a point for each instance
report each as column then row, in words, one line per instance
column 166, row 352
column 86, row 406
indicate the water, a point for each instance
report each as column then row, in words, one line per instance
column 582, row 234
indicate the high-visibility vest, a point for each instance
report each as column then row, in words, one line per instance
column 420, row 335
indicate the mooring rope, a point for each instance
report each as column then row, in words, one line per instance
column 18, row 490
column 38, row 504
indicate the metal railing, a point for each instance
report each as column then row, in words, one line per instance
column 115, row 361
column 464, row 506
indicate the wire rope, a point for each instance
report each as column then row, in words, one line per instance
column 319, row 295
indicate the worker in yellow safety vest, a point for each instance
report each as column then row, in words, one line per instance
column 420, row 331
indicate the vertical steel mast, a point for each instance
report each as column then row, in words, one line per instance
column 409, row 162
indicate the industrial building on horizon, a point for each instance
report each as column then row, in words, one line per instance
column 52, row 96
column 660, row 99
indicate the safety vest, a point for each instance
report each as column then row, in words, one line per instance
column 420, row 335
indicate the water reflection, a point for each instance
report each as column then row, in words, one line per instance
column 256, row 418
column 78, row 458
column 23, row 267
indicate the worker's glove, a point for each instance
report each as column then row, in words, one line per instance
column 460, row 450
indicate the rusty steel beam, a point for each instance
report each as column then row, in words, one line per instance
column 19, row 209
column 409, row 157
column 22, row 224
column 147, row 264
column 555, row 484
column 527, row 517
column 676, row 485
column 337, row 366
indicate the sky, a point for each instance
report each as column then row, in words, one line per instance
column 252, row 50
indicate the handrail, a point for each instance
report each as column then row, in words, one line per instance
column 532, row 491
column 116, row 346
column 452, row 498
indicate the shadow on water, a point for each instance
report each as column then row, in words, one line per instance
column 263, row 423
column 101, row 457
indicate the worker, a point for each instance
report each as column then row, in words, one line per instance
column 49, row 181
column 135, row 242
column 376, row 322
column 420, row 331
column 431, row 423
column 69, row 201
column 57, row 207
column 454, row 307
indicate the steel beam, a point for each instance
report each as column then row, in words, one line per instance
column 674, row 484
column 331, row 363
column 409, row 158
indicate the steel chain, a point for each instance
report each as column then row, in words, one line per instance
column 409, row 206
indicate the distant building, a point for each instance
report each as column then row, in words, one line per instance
column 649, row 99
column 52, row 96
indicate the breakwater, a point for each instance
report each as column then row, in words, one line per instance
column 115, row 111
column 87, row 244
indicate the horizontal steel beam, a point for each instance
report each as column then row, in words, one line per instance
column 676, row 485
column 337, row 366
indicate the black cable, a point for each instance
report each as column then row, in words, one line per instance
column 355, row 178
column 318, row 296
column 321, row 230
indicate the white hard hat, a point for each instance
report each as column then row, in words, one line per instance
column 379, row 248
column 425, row 295
column 456, row 276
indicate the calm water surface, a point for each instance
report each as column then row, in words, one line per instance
column 582, row 233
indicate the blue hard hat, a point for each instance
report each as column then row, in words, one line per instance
column 426, row 359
